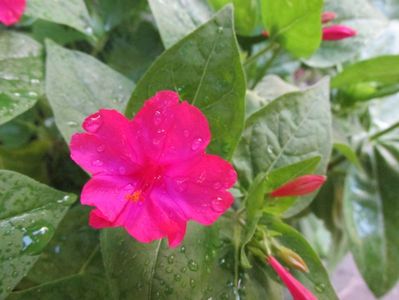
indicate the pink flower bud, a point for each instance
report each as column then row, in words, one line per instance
column 302, row 185
column 11, row 11
column 337, row 32
column 328, row 16
column 265, row 34
column 297, row 290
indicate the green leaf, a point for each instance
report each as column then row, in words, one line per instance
column 58, row 33
column 78, row 85
column 268, row 89
column 70, row 266
column 245, row 14
column 292, row 128
column 383, row 70
column 72, row 13
column 294, row 24
column 205, row 69
column 21, row 74
column 348, row 153
column 371, row 216
column 177, row 20
column 29, row 214
column 357, row 14
column 317, row 280
column 199, row 268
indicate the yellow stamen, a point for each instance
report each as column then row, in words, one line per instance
column 135, row 197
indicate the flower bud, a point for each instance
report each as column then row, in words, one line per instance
column 265, row 34
column 297, row 290
column 328, row 16
column 292, row 259
column 300, row 186
column 338, row 32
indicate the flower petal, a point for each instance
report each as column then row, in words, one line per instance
column 155, row 219
column 107, row 146
column 97, row 220
column 171, row 131
column 198, row 187
column 108, row 194
column 11, row 11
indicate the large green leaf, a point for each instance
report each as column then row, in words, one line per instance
column 72, row 13
column 176, row 19
column 379, row 70
column 77, row 85
column 246, row 14
column 70, row 267
column 292, row 128
column 29, row 214
column 21, row 74
column 361, row 16
column 294, row 24
column 205, row 69
column 371, row 215
column 317, row 279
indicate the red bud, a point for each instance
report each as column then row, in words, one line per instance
column 302, row 185
column 265, row 34
column 338, row 32
column 328, row 16
column 297, row 290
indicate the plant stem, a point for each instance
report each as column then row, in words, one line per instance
column 266, row 67
column 254, row 57
column 385, row 131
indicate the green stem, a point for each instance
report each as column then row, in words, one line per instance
column 254, row 57
column 266, row 67
column 385, row 131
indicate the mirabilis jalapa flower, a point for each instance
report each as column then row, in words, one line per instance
column 11, row 11
column 151, row 174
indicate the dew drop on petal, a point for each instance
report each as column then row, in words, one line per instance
column 100, row 148
column 97, row 163
column 181, row 185
column 218, row 205
column 217, row 185
column 186, row 133
column 93, row 123
column 157, row 117
column 196, row 144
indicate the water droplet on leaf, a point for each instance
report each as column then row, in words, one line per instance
column 192, row 265
column 36, row 237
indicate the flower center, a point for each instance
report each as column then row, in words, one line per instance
column 150, row 175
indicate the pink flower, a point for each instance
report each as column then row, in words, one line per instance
column 338, row 32
column 300, row 186
column 11, row 11
column 297, row 290
column 151, row 174
column 328, row 16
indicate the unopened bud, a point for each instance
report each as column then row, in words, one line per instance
column 292, row 259
column 338, row 32
column 265, row 34
column 328, row 16
column 300, row 186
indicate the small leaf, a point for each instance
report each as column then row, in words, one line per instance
column 29, row 214
column 348, row 153
column 294, row 24
column 78, row 85
column 72, row 13
column 176, row 20
column 21, row 74
column 205, row 69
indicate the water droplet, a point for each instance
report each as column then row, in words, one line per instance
column 161, row 131
column 217, row 185
column 181, row 185
column 192, row 265
column 17, row 94
column 218, row 204
column 196, row 144
column 201, row 178
column 122, row 170
column 72, row 124
column 270, row 149
column 14, row 274
column 100, row 148
column 220, row 29
column 34, row 81
column 320, row 287
column 66, row 200
column 182, row 249
column 171, row 259
column 97, row 163
column 177, row 277
column 32, row 94
column 168, row 270
column 89, row 30
column 36, row 237
column 157, row 117
column 222, row 261
column 192, row 283
column 93, row 123
column 183, row 269
column 186, row 133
